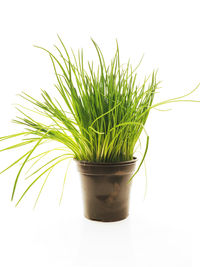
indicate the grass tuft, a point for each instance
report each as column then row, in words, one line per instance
column 99, row 117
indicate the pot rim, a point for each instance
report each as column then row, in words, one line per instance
column 92, row 163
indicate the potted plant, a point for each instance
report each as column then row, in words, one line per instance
column 98, row 119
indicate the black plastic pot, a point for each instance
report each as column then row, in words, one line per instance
column 106, row 189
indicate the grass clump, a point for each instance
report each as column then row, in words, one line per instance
column 100, row 119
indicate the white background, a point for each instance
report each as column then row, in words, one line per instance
column 162, row 230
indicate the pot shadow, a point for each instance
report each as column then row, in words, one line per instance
column 105, row 244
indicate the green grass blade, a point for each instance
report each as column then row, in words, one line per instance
column 20, row 170
column 27, row 189
column 19, row 159
column 61, row 196
column 42, row 188
column 143, row 158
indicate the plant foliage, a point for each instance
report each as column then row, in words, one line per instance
column 99, row 117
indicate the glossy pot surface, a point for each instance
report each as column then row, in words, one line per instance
column 106, row 189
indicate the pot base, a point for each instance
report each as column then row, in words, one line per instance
column 110, row 219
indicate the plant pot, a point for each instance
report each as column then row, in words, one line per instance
column 106, row 189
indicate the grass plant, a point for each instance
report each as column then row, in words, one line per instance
column 99, row 116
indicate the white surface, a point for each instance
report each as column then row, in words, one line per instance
column 163, row 229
